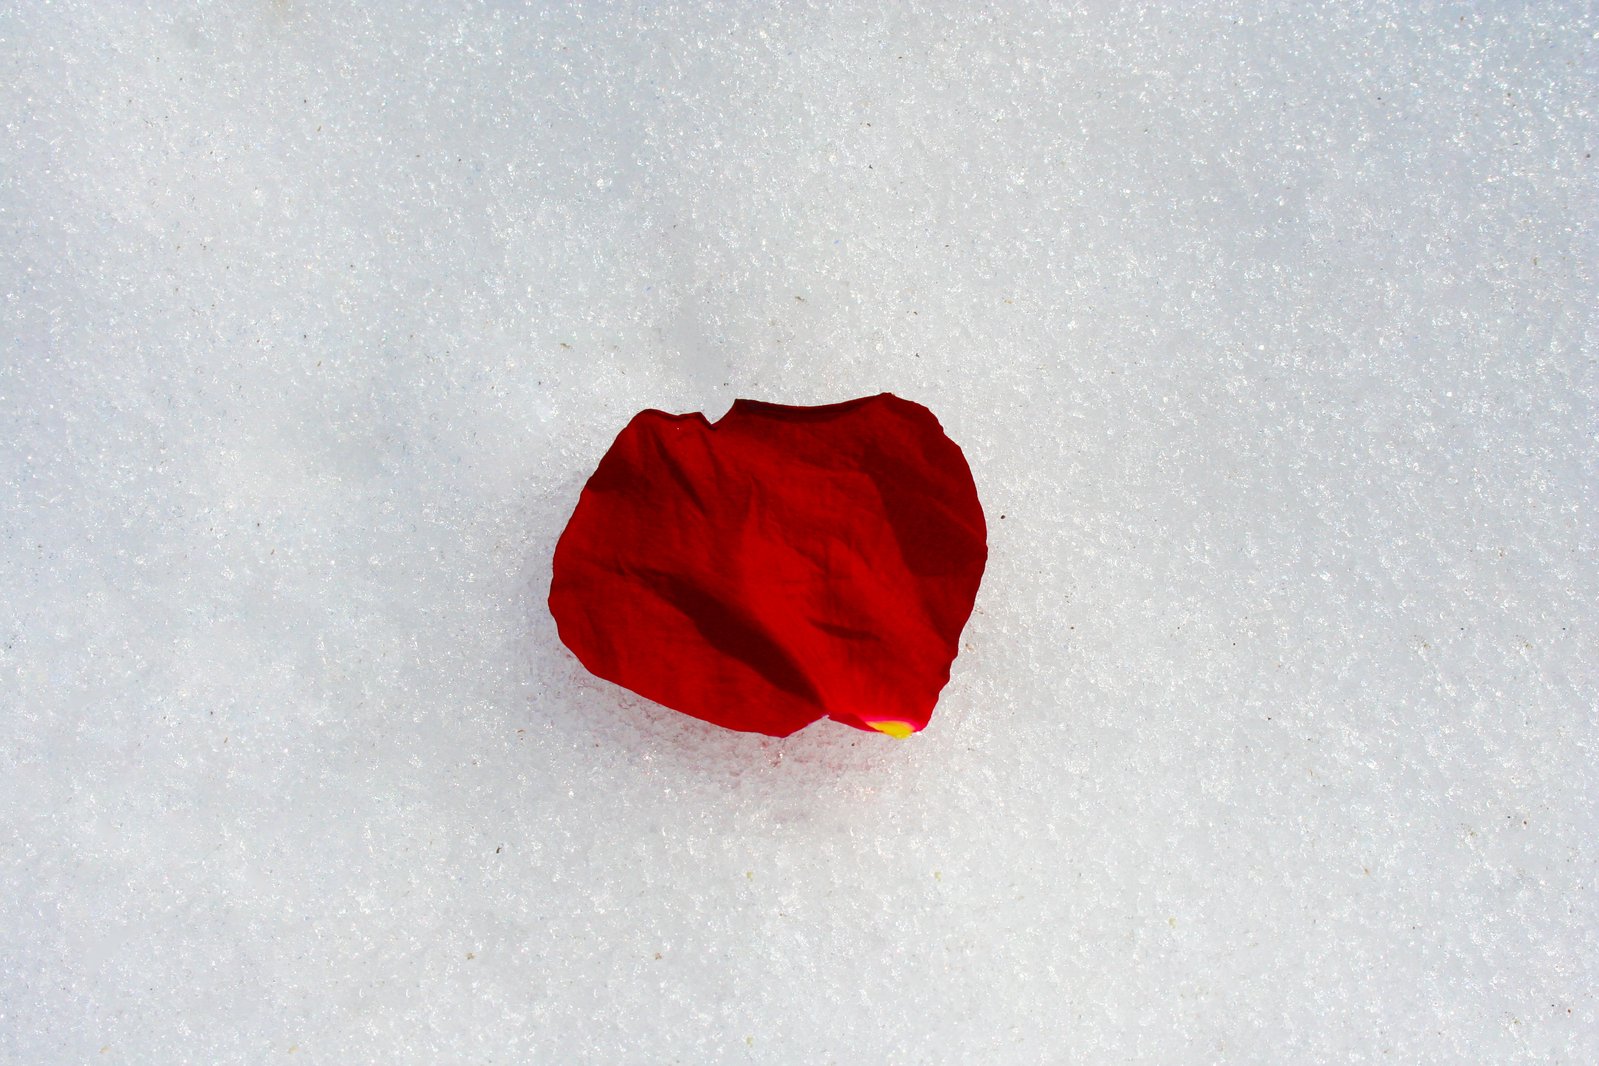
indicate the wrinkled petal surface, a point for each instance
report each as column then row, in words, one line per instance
column 780, row 565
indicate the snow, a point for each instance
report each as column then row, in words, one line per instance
column 1268, row 331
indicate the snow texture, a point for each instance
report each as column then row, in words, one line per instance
column 1269, row 332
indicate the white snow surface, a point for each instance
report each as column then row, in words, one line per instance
column 1268, row 330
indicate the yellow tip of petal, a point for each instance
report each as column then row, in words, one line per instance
column 897, row 730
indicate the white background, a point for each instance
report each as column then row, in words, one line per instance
column 1269, row 333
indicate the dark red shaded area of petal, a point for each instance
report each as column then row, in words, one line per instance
column 781, row 565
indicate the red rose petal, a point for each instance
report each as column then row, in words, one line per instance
column 781, row 565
